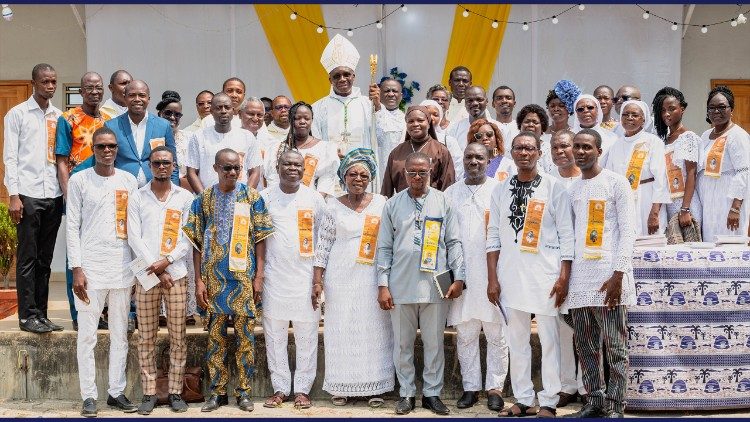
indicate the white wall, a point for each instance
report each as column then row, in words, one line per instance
column 722, row 53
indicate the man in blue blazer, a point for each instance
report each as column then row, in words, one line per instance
column 138, row 132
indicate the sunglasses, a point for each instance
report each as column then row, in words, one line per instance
column 169, row 113
column 623, row 98
column 281, row 107
column 227, row 168
column 417, row 173
column 479, row 135
column 522, row 148
column 159, row 164
column 582, row 109
column 345, row 75
column 102, row 147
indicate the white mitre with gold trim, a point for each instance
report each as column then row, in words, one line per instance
column 339, row 52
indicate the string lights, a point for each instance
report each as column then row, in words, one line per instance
column 350, row 30
column 7, row 13
column 733, row 22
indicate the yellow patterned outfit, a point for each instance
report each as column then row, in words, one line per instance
column 209, row 227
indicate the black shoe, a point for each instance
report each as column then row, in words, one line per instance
column 131, row 326
column 495, row 402
column 613, row 414
column 50, row 324
column 177, row 404
column 468, row 399
column 102, row 325
column 147, row 404
column 89, row 408
column 435, row 404
column 245, row 403
column 566, row 399
column 214, row 402
column 122, row 403
column 34, row 325
column 75, row 325
column 588, row 411
column 405, row 405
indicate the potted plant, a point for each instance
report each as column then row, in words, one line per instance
column 8, row 243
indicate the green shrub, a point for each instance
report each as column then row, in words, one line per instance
column 8, row 243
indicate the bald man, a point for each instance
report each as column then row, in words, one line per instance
column 476, row 106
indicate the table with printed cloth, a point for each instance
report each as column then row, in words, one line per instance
column 689, row 333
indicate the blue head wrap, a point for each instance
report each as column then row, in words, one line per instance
column 358, row 156
column 568, row 92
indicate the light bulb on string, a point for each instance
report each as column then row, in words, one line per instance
column 7, row 13
column 555, row 20
column 581, row 7
column 465, row 13
column 674, row 26
column 525, row 26
column 379, row 25
column 741, row 19
column 350, row 33
column 293, row 16
column 733, row 22
column 319, row 30
column 403, row 8
column 704, row 29
column 495, row 24
column 646, row 14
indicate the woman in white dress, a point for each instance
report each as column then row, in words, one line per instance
column 436, row 114
column 682, row 155
column 532, row 118
column 358, row 336
column 723, row 169
column 321, row 158
column 471, row 312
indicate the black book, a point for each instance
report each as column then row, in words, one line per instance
column 443, row 282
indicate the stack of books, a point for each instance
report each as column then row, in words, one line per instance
column 650, row 241
column 730, row 240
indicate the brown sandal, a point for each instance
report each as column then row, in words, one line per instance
column 276, row 400
column 302, row 401
column 546, row 412
column 517, row 410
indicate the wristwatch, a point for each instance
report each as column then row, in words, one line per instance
column 169, row 259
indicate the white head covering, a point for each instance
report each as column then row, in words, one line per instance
column 599, row 114
column 646, row 113
column 433, row 103
column 339, row 52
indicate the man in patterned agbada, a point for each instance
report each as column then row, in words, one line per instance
column 227, row 225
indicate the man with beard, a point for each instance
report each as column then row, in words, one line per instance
column 476, row 107
column 279, row 127
column 116, row 105
column 459, row 81
column 74, row 152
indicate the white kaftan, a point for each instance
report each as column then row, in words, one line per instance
column 687, row 147
column 324, row 179
column 358, row 335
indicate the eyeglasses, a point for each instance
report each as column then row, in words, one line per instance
column 203, row 104
column 102, row 147
column 345, row 75
column 360, row 176
column 717, row 109
column 227, row 168
column 522, row 148
column 281, row 107
column 479, row 135
column 417, row 173
column 93, row 88
column 169, row 113
column 582, row 109
column 159, row 164
column 630, row 115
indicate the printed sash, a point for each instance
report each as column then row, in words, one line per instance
column 635, row 166
column 674, row 177
column 305, row 230
column 240, row 237
column 156, row 142
column 311, row 163
column 532, row 226
column 172, row 220
column 430, row 243
column 51, row 131
column 715, row 157
column 595, row 229
column 121, row 214
column 369, row 240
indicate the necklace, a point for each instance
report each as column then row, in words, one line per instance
column 420, row 148
column 731, row 124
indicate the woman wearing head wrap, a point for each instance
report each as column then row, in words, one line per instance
column 321, row 158
column 682, row 149
column 560, row 104
column 639, row 156
column 442, row 96
column 436, row 113
column 588, row 115
column 420, row 136
column 358, row 336
column 723, row 169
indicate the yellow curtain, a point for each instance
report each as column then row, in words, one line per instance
column 297, row 47
column 475, row 43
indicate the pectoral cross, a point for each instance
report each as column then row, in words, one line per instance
column 344, row 143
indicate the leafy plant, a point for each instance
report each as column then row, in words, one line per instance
column 8, row 243
column 407, row 90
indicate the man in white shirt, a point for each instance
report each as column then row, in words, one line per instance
column 98, row 254
column 296, row 211
column 601, row 282
column 476, row 107
column 36, row 202
column 156, row 213
column 203, row 107
column 205, row 143
column 390, row 123
column 251, row 114
column 279, row 127
column 116, row 105
column 235, row 89
column 459, row 81
column 503, row 101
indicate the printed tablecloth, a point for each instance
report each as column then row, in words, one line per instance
column 689, row 334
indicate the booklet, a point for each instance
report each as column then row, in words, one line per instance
column 139, row 267
column 443, row 282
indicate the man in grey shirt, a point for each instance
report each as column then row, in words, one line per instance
column 419, row 237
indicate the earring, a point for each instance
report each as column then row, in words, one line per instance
column 495, row 152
